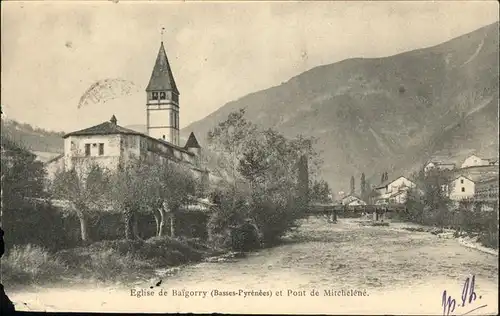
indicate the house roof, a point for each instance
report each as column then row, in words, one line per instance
column 477, row 177
column 192, row 142
column 110, row 128
column 350, row 197
column 386, row 183
column 162, row 77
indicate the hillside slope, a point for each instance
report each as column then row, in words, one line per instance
column 32, row 138
column 388, row 113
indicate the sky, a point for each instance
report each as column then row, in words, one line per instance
column 53, row 51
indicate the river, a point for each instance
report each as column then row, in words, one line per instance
column 393, row 271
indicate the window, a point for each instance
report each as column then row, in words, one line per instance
column 461, row 181
column 87, row 149
column 101, row 149
column 155, row 95
column 162, row 96
column 463, row 189
column 163, row 137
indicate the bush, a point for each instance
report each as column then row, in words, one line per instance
column 30, row 264
column 275, row 220
column 245, row 238
column 227, row 214
column 38, row 223
column 379, row 224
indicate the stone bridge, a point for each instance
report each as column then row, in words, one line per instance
column 333, row 210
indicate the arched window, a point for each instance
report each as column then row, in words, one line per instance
column 155, row 96
column 162, row 96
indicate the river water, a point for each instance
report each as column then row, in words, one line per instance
column 391, row 271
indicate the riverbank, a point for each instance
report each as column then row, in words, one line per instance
column 402, row 272
column 117, row 261
column 464, row 239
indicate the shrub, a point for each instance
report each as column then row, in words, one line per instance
column 275, row 220
column 230, row 212
column 37, row 223
column 489, row 236
column 379, row 224
column 30, row 264
column 245, row 237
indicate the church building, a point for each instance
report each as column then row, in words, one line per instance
column 111, row 145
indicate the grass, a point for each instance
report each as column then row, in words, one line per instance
column 30, row 264
column 112, row 260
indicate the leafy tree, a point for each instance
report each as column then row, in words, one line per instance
column 144, row 187
column 267, row 162
column 362, row 185
column 22, row 176
column 429, row 204
column 320, row 192
column 178, row 188
column 86, row 188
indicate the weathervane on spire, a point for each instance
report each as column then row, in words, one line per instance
column 162, row 30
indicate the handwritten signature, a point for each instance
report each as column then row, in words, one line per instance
column 469, row 296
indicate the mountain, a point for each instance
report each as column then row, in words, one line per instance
column 45, row 144
column 386, row 114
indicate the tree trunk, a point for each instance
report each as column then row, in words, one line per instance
column 162, row 221
column 83, row 226
column 128, row 224
column 156, row 214
column 135, row 226
column 172, row 224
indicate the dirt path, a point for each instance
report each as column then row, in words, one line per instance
column 402, row 272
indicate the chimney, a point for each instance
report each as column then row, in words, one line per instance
column 113, row 120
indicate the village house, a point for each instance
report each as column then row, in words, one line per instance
column 351, row 200
column 475, row 161
column 394, row 191
column 438, row 165
column 460, row 188
column 473, row 186
column 111, row 145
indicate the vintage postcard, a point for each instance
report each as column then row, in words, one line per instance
column 250, row 157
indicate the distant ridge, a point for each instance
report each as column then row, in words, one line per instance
column 386, row 114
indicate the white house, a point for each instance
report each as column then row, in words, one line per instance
column 460, row 188
column 352, row 200
column 394, row 191
column 431, row 165
column 111, row 145
column 474, row 161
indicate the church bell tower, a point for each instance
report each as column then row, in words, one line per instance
column 162, row 105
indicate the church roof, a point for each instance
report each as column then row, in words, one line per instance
column 110, row 127
column 162, row 77
column 106, row 128
column 192, row 142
